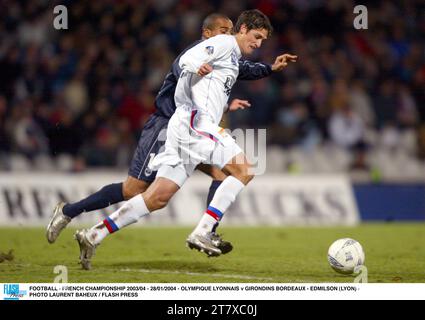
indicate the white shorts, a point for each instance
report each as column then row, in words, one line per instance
column 192, row 139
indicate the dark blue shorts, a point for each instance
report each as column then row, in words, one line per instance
column 151, row 142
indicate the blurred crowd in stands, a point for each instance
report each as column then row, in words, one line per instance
column 85, row 92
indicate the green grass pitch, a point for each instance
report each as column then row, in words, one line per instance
column 394, row 253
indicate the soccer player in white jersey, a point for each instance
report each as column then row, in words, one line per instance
column 209, row 71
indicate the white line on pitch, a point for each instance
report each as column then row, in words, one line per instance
column 216, row 275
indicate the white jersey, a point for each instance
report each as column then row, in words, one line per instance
column 208, row 95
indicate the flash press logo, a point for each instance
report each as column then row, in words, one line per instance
column 12, row 292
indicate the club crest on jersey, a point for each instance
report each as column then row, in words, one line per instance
column 209, row 50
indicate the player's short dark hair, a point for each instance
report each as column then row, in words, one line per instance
column 211, row 20
column 253, row 19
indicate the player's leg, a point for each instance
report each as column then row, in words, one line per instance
column 228, row 156
column 168, row 181
column 103, row 198
column 108, row 195
column 63, row 213
column 238, row 170
column 218, row 177
column 140, row 176
column 134, row 209
column 156, row 197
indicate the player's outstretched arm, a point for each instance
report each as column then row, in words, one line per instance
column 249, row 70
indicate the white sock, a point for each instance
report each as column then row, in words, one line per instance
column 224, row 196
column 129, row 213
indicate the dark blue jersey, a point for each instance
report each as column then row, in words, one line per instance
column 164, row 101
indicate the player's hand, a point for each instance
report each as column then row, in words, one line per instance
column 204, row 69
column 282, row 61
column 238, row 104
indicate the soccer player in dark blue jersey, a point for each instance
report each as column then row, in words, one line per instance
column 150, row 142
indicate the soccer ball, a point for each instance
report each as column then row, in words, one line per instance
column 344, row 255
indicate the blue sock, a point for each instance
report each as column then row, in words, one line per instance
column 103, row 198
column 213, row 188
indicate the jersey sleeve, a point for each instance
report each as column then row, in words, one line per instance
column 207, row 51
column 249, row 70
